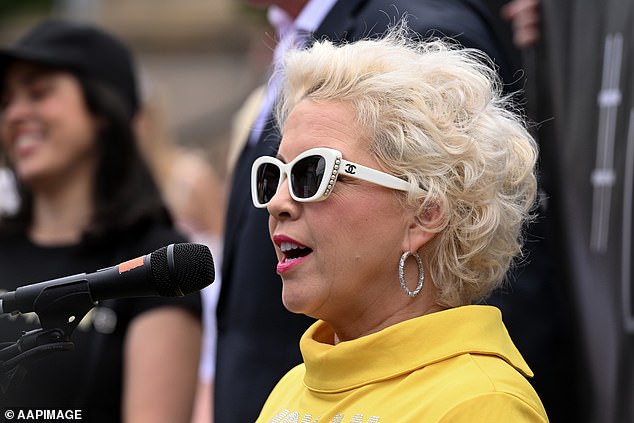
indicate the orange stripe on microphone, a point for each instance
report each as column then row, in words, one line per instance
column 131, row 264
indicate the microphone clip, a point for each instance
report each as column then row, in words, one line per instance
column 53, row 304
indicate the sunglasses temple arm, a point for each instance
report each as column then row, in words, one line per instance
column 358, row 171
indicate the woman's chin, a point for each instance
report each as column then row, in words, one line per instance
column 295, row 301
column 294, row 305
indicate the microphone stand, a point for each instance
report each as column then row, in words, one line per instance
column 57, row 325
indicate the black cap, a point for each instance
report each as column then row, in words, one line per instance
column 82, row 49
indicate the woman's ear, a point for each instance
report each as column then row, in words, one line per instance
column 425, row 224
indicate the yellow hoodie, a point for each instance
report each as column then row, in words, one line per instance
column 457, row 365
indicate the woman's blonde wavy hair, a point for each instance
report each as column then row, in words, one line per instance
column 436, row 117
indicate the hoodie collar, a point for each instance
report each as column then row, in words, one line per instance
column 405, row 347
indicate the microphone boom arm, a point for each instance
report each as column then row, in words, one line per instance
column 57, row 324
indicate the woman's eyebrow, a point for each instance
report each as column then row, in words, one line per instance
column 35, row 74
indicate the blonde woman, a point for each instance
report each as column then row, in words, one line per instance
column 396, row 201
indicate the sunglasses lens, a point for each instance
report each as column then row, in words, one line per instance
column 306, row 176
column 268, row 178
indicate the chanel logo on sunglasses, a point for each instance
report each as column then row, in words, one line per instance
column 351, row 169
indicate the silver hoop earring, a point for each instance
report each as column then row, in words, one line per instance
column 401, row 274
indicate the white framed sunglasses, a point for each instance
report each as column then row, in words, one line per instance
column 312, row 176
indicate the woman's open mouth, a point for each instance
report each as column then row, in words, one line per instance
column 293, row 254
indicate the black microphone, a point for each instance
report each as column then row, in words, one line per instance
column 171, row 271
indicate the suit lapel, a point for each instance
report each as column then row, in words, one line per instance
column 240, row 194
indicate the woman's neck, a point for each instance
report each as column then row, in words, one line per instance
column 61, row 215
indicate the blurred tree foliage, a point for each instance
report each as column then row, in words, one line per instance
column 9, row 7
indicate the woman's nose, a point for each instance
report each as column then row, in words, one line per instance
column 282, row 204
column 15, row 109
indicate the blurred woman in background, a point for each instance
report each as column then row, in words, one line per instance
column 88, row 201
